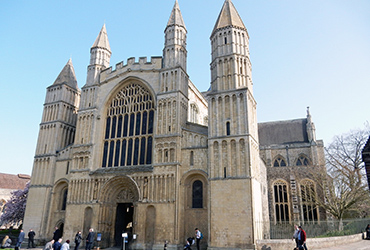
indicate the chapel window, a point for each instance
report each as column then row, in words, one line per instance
column 281, row 202
column 128, row 137
column 279, row 162
column 308, row 197
column 193, row 113
column 302, row 161
column 197, row 194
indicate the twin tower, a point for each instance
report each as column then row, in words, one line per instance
column 140, row 150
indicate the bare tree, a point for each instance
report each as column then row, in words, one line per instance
column 344, row 185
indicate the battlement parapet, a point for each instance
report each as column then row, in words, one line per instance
column 143, row 64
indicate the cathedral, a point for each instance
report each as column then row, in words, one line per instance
column 140, row 150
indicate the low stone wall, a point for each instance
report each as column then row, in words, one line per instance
column 312, row 243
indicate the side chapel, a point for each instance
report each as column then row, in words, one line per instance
column 139, row 149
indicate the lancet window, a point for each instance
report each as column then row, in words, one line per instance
column 302, row 161
column 279, row 162
column 128, row 137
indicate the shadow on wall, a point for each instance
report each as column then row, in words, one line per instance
column 265, row 248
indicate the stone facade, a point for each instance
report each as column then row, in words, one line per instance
column 139, row 149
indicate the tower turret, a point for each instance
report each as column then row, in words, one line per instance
column 230, row 67
column 100, row 54
column 234, row 162
column 174, row 52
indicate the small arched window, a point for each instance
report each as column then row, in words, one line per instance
column 279, row 162
column 191, row 158
column 197, row 194
column 64, row 197
column 227, row 128
column 302, row 161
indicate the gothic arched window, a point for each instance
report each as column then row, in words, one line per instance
column 308, row 197
column 197, row 196
column 281, row 201
column 302, row 161
column 279, row 162
column 129, row 127
column 193, row 113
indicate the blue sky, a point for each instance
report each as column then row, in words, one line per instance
column 304, row 53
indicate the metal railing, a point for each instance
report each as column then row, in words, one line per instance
column 316, row 229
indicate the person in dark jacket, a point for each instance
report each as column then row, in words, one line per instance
column 20, row 240
column 31, row 239
column 57, row 234
column 58, row 244
column 90, row 239
column 78, row 239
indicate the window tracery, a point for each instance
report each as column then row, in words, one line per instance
column 308, row 197
column 279, row 162
column 302, row 161
column 128, row 137
column 281, row 202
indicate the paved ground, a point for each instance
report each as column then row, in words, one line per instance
column 360, row 245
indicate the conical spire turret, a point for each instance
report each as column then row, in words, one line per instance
column 100, row 54
column 102, row 40
column 176, row 17
column 228, row 16
column 67, row 76
column 174, row 52
column 230, row 67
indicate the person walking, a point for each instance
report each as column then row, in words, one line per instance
column 65, row 245
column 57, row 234
column 19, row 240
column 78, row 239
column 367, row 229
column 90, row 239
column 49, row 245
column 198, row 237
column 295, row 235
column 58, row 244
column 302, row 238
column 31, row 239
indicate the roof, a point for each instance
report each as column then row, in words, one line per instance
column 228, row 16
column 67, row 76
column 283, row 132
column 13, row 181
column 176, row 17
column 102, row 39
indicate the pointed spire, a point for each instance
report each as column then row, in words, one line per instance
column 228, row 16
column 176, row 17
column 102, row 39
column 67, row 76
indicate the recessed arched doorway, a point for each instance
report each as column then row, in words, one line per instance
column 116, row 216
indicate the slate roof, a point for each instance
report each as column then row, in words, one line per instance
column 283, row 132
column 13, row 181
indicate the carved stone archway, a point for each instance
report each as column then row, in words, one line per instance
column 117, row 190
